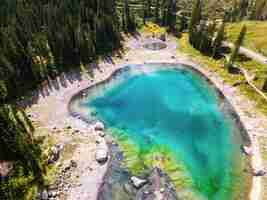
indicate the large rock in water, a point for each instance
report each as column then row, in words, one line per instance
column 138, row 182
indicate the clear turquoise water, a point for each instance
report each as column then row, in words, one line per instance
column 177, row 110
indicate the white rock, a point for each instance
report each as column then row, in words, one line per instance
column 137, row 182
column 247, row 150
column 101, row 133
column 99, row 126
column 101, row 155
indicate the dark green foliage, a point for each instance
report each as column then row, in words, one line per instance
column 157, row 10
column 238, row 44
column 18, row 145
column 202, row 33
column 264, row 88
column 194, row 20
column 220, row 36
column 39, row 40
column 39, row 34
column 171, row 15
column 183, row 21
column 128, row 18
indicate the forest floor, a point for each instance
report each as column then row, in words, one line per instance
column 49, row 111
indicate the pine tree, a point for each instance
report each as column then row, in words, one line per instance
column 243, row 8
column 264, row 88
column 195, row 19
column 220, row 36
column 171, row 15
column 237, row 46
column 157, row 9
column 149, row 8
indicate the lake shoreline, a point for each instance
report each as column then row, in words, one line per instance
column 58, row 100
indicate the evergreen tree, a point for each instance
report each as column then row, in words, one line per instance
column 157, row 9
column 183, row 21
column 171, row 15
column 264, row 88
column 195, row 19
column 149, row 8
column 243, row 8
column 220, row 36
column 237, row 46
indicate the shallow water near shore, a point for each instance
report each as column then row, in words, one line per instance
column 172, row 118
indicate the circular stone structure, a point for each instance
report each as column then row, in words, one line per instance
column 155, row 46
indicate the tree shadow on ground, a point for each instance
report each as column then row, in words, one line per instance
column 67, row 78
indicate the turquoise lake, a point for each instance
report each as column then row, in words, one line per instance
column 173, row 112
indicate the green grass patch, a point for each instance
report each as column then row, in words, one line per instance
column 255, row 37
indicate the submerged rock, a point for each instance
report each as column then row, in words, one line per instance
column 138, row 182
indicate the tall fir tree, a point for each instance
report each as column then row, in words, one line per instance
column 237, row 46
column 220, row 36
column 157, row 11
column 195, row 19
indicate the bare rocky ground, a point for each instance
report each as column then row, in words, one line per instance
column 78, row 174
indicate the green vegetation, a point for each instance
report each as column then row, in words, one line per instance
column 255, row 37
column 18, row 145
column 41, row 39
column 238, row 44
column 203, row 34
column 38, row 41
